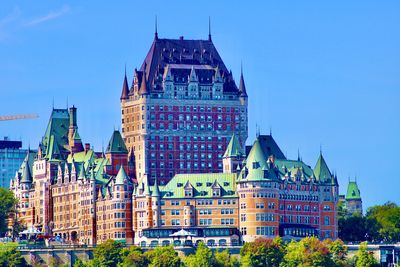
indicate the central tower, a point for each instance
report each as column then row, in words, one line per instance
column 181, row 110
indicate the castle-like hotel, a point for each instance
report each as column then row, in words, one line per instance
column 179, row 169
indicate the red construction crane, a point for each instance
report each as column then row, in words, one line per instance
column 19, row 117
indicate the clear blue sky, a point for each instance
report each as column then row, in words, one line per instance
column 317, row 72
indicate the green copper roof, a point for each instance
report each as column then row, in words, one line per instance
column 26, row 176
column 116, row 144
column 121, row 176
column 233, row 149
column 155, row 192
column 58, row 128
column 76, row 135
column 353, row 193
column 292, row 166
column 53, row 149
column 256, row 164
column 321, row 170
column 201, row 184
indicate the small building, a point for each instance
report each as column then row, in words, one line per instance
column 353, row 201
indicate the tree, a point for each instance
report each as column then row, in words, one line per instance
column 108, row 254
column 11, row 257
column 338, row 251
column 133, row 256
column 388, row 218
column 79, row 263
column 163, row 257
column 203, row 257
column 225, row 259
column 263, row 252
column 7, row 205
column 310, row 251
column 365, row 258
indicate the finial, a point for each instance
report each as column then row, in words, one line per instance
column 209, row 28
column 298, row 154
column 53, row 103
column 67, row 102
column 241, row 68
column 270, row 130
column 125, row 69
column 156, row 31
column 320, row 149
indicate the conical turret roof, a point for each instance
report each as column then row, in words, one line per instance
column 233, row 149
column 125, row 88
column 26, row 176
column 321, row 170
column 353, row 193
column 242, row 86
column 121, row 176
column 116, row 144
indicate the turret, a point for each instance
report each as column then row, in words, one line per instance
column 143, row 85
column 233, row 155
column 125, row 88
column 74, row 139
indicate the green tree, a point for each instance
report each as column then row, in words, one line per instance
column 79, row 263
column 365, row 258
column 203, row 257
column 338, row 251
column 108, row 254
column 11, row 257
column 134, row 257
column 310, row 251
column 7, row 205
column 225, row 259
column 388, row 217
column 263, row 252
column 163, row 257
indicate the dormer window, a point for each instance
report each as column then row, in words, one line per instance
column 216, row 192
column 256, row 165
column 188, row 193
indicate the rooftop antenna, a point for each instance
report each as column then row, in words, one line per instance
column 67, row 102
column 298, row 154
column 209, row 28
column 53, row 102
column 320, row 149
column 270, row 130
column 156, row 31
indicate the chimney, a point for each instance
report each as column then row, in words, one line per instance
column 72, row 116
column 87, row 147
column 181, row 38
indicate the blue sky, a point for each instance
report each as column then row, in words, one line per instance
column 319, row 73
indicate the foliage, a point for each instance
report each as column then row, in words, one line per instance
column 107, row 254
column 11, row 257
column 310, row 251
column 133, row 256
column 338, row 251
column 225, row 259
column 7, row 205
column 163, row 257
column 79, row 263
column 202, row 258
column 388, row 218
column 381, row 223
column 262, row 252
column 365, row 258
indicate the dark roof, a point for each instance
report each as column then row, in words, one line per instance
column 182, row 55
column 269, row 147
column 125, row 89
column 116, row 144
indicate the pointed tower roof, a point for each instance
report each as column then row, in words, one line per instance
column 256, row 163
column 192, row 75
column 26, row 176
column 82, row 173
column 353, row 193
column 116, row 143
column 146, row 189
column 156, row 190
column 233, row 149
column 143, row 86
column 125, row 88
column 121, row 176
column 321, row 170
column 242, row 86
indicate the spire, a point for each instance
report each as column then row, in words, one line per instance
column 298, row 155
column 26, row 174
column 192, row 75
column 155, row 31
column 156, row 189
column 242, row 86
column 209, row 29
column 121, row 176
column 321, row 170
column 143, row 85
column 125, row 87
column 82, row 173
column 233, row 149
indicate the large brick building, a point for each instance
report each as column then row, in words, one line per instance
column 181, row 109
